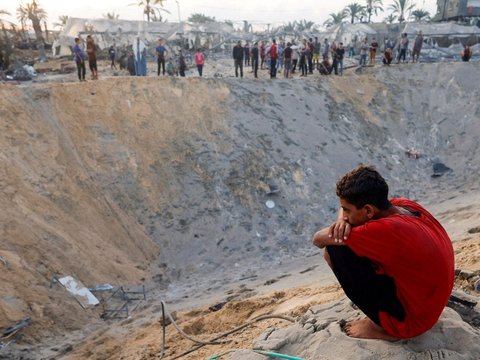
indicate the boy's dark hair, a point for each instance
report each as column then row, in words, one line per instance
column 364, row 185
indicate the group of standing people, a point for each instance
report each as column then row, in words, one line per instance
column 162, row 52
column 285, row 57
column 370, row 50
column 288, row 56
column 80, row 58
column 136, row 60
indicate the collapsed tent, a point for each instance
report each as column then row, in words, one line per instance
column 443, row 41
column 122, row 33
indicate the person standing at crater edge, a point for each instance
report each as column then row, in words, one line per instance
column 79, row 56
column 238, row 58
column 140, row 53
column 392, row 258
column 199, row 61
column 92, row 56
column 161, row 52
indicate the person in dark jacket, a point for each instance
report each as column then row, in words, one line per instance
column 255, row 57
column 246, row 49
column 182, row 65
column 339, row 55
column 238, row 58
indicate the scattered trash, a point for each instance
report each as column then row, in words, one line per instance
column 466, row 307
column 273, row 189
column 270, row 204
column 4, row 345
column 476, row 285
column 83, row 296
column 2, row 259
column 474, row 230
column 439, row 169
column 122, row 301
column 277, row 355
column 12, row 330
column 101, row 287
column 23, row 72
column 413, row 153
column 217, row 307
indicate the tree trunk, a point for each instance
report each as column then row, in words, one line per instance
column 7, row 48
column 46, row 32
column 40, row 41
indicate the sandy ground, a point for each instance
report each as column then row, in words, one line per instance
column 101, row 199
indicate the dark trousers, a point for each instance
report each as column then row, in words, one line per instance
column 273, row 67
column 200, row 69
column 92, row 64
column 371, row 292
column 310, row 64
column 112, row 65
column 294, row 66
column 303, row 66
column 255, row 67
column 402, row 55
column 160, row 64
column 81, row 70
column 239, row 64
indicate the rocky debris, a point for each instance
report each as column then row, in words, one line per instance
column 468, row 280
column 474, row 230
column 439, row 169
column 320, row 336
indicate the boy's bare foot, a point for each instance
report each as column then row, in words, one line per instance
column 367, row 329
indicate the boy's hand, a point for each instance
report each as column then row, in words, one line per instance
column 339, row 231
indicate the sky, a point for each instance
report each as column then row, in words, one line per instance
column 258, row 12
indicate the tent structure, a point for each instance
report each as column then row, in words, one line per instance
column 122, row 33
column 443, row 41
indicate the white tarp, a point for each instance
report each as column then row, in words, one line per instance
column 107, row 32
column 79, row 291
column 346, row 31
column 474, row 3
column 441, row 29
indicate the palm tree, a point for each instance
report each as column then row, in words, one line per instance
column 33, row 12
column 201, row 18
column 290, row 27
column 335, row 18
column 390, row 19
column 62, row 21
column 420, row 15
column 401, row 7
column 304, row 25
column 355, row 11
column 157, row 16
column 4, row 12
column 372, row 7
column 111, row 16
column 149, row 8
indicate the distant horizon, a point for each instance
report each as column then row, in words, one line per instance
column 268, row 12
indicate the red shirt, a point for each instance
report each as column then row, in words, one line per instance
column 199, row 58
column 417, row 253
column 273, row 51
